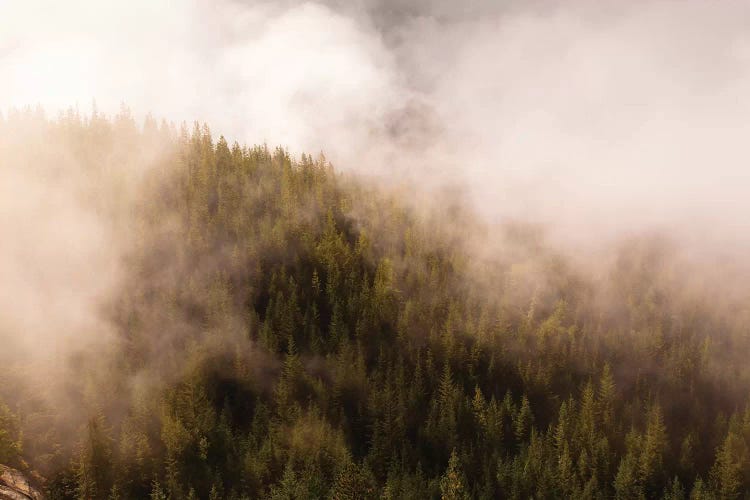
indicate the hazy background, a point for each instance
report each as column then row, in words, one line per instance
column 598, row 119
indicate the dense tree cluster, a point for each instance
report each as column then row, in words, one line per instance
column 286, row 332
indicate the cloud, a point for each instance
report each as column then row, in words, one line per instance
column 596, row 118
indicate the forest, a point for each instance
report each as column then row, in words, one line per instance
column 280, row 329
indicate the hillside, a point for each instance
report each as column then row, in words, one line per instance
column 280, row 330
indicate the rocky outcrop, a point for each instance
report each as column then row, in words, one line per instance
column 15, row 486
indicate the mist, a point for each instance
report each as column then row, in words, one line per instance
column 589, row 155
column 594, row 118
column 599, row 122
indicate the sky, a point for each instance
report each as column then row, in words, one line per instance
column 597, row 119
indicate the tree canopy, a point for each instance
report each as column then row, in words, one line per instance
column 283, row 331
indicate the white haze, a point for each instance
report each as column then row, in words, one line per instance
column 597, row 119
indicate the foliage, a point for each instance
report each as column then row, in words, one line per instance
column 307, row 337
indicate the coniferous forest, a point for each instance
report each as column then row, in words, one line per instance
column 281, row 330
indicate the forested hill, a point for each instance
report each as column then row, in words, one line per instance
column 281, row 331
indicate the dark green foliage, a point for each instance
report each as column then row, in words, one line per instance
column 287, row 333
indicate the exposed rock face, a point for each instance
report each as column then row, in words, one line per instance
column 15, row 486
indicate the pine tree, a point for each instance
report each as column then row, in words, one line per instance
column 453, row 482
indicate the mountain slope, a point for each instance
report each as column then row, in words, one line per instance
column 279, row 330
